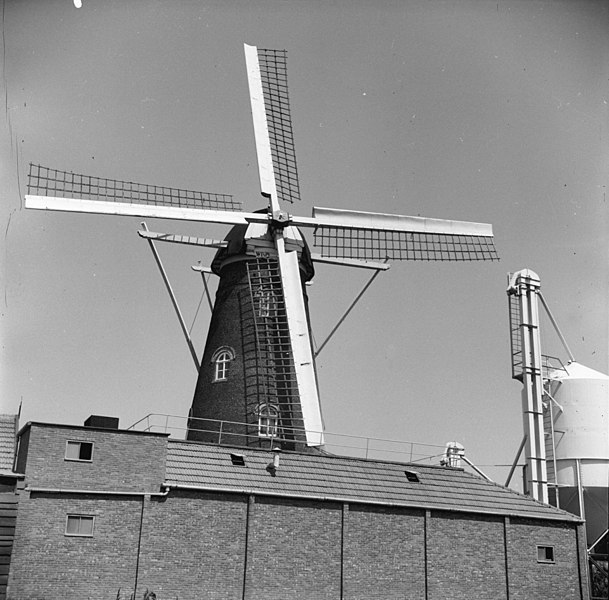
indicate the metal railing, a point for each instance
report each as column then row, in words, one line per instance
column 246, row 434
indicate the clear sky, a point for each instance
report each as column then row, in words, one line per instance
column 484, row 111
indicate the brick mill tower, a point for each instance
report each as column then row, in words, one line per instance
column 247, row 391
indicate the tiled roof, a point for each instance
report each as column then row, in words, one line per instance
column 209, row 467
column 8, row 430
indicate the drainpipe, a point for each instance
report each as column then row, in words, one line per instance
column 139, row 545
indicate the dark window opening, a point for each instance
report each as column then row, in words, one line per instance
column 545, row 554
column 79, row 451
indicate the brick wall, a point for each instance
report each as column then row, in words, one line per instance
column 294, row 549
column 48, row 564
column 465, row 557
column 193, row 546
column 197, row 545
column 122, row 461
column 384, row 553
column 543, row 581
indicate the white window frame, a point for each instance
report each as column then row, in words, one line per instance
column 79, row 443
column 81, row 518
column 266, row 302
column 222, row 358
column 268, row 421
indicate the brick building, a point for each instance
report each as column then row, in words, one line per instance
column 106, row 512
column 9, row 480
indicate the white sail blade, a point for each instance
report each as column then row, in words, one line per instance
column 142, row 210
column 301, row 344
column 261, row 129
column 354, row 219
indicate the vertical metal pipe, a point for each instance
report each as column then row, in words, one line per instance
column 580, row 489
column 248, row 514
column 526, row 286
column 426, row 520
column 343, row 537
column 506, row 523
column 139, row 547
column 554, row 463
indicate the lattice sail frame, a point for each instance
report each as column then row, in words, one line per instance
column 378, row 244
column 44, row 181
column 274, row 76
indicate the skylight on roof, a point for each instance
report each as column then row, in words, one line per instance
column 238, row 460
column 412, row 476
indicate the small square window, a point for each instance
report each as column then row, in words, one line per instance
column 545, row 554
column 79, row 451
column 80, row 525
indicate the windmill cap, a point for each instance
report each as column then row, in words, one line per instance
column 236, row 250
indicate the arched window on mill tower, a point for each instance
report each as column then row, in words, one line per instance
column 222, row 358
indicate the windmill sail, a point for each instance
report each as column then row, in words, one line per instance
column 267, row 78
column 268, row 83
column 48, row 183
column 376, row 236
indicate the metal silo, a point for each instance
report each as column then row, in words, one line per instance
column 577, row 417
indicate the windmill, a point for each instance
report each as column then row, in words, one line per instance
column 263, row 264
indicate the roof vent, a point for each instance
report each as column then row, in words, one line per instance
column 412, row 476
column 238, row 460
